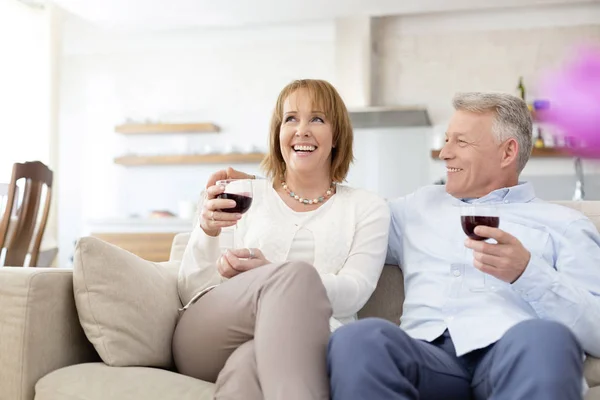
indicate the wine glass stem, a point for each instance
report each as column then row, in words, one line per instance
column 234, row 236
column 484, row 274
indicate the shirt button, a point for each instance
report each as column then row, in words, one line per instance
column 456, row 272
column 505, row 201
column 450, row 318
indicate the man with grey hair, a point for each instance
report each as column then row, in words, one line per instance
column 505, row 318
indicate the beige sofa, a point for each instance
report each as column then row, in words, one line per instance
column 44, row 353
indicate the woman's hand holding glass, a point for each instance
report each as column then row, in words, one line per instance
column 212, row 219
column 221, row 219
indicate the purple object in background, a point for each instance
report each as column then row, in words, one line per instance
column 573, row 92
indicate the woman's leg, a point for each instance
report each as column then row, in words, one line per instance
column 239, row 375
column 284, row 308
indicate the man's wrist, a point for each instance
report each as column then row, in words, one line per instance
column 537, row 277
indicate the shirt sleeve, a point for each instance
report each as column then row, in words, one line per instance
column 568, row 291
column 355, row 282
column 198, row 269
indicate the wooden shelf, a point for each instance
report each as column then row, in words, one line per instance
column 546, row 152
column 130, row 129
column 190, row 159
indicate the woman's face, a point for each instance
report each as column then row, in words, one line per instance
column 305, row 136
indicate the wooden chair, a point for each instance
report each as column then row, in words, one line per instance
column 22, row 235
column 4, row 198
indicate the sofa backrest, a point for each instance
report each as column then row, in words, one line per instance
column 590, row 208
column 386, row 301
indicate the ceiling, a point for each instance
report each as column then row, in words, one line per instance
column 174, row 14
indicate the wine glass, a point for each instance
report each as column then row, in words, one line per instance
column 240, row 191
column 472, row 215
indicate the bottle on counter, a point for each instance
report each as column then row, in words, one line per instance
column 521, row 89
column 539, row 140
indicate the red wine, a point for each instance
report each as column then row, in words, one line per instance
column 242, row 203
column 469, row 222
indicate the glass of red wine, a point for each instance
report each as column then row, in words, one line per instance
column 472, row 215
column 240, row 191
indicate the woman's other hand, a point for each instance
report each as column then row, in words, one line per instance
column 236, row 261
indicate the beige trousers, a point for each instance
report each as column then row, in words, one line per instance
column 260, row 335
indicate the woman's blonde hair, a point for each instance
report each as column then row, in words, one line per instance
column 324, row 96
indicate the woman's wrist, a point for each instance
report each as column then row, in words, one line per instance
column 211, row 232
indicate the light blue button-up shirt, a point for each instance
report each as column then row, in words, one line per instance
column 560, row 283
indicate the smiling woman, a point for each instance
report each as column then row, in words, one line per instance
column 309, row 248
column 309, row 114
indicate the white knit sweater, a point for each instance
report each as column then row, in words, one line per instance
column 350, row 241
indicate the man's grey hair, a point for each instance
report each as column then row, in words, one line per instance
column 513, row 118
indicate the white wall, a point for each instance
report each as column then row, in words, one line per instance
column 231, row 78
column 425, row 59
column 27, row 55
column 24, row 86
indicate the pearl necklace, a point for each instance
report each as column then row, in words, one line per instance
column 302, row 200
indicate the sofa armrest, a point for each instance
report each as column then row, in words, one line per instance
column 39, row 328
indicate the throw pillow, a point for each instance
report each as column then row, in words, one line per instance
column 127, row 306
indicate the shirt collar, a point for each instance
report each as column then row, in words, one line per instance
column 521, row 193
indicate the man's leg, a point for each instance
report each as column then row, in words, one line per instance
column 375, row 359
column 535, row 359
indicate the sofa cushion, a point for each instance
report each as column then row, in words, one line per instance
column 97, row 381
column 592, row 371
column 593, row 394
column 127, row 306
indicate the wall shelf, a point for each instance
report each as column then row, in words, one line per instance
column 547, row 152
column 131, row 129
column 188, row 159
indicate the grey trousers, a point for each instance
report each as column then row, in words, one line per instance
column 260, row 335
column 535, row 360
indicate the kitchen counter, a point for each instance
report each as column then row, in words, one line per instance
column 148, row 238
column 165, row 224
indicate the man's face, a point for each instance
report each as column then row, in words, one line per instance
column 473, row 156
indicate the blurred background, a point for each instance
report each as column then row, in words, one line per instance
column 133, row 104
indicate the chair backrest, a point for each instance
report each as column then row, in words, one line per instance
column 22, row 235
column 3, row 196
column 4, row 187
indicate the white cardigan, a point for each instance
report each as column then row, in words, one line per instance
column 350, row 243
